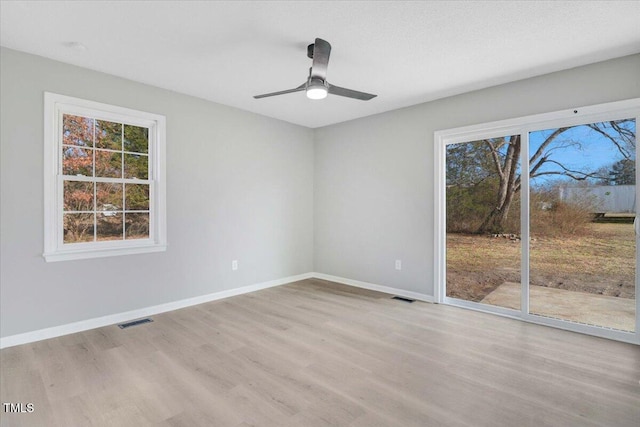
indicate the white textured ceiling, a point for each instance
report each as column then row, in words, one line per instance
column 406, row 52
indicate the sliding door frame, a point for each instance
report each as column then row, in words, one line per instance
column 523, row 126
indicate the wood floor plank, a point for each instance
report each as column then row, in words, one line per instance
column 317, row 353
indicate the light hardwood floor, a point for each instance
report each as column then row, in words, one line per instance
column 315, row 353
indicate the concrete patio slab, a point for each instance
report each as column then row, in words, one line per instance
column 600, row 310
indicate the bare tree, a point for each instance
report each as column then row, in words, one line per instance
column 505, row 167
column 506, row 152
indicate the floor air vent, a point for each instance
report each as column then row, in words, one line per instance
column 134, row 323
column 403, row 299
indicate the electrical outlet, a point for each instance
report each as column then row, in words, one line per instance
column 234, row 264
column 398, row 264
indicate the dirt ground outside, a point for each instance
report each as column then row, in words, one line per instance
column 601, row 262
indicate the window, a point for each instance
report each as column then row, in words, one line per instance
column 104, row 180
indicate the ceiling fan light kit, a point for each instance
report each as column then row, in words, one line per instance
column 317, row 89
column 317, row 86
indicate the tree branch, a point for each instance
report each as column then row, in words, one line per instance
column 513, row 154
column 537, row 166
column 496, row 158
column 577, row 175
column 622, row 150
column 546, row 143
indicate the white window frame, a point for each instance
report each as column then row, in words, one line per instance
column 522, row 126
column 55, row 105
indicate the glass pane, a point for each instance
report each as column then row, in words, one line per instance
column 137, row 225
column 108, row 196
column 483, row 221
column 583, row 204
column 108, row 164
column 137, row 197
column 109, row 226
column 78, row 228
column 136, row 166
column 77, row 161
column 108, row 135
column 136, row 139
column 77, row 130
column 78, row 196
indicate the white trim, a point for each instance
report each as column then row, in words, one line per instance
column 105, row 252
column 522, row 126
column 568, row 117
column 525, row 229
column 439, row 215
column 51, row 126
column 54, row 248
column 374, row 287
column 98, row 322
column 484, row 308
column 566, row 325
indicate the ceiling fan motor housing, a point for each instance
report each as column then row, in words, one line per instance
column 317, row 81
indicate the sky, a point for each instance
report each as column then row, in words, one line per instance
column 582, row 149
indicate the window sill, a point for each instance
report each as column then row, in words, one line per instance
column 69, row 255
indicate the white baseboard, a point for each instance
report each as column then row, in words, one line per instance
column 374, row 287
column 98, row 322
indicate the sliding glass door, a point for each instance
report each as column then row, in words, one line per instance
column 536, row 219
column 582, row 207
column 483, row 221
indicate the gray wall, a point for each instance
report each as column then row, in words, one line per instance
column 374, row 176
column 239, row 186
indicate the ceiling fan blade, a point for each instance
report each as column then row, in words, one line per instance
column 282, row 92
column 340, row 91
column 321, row 51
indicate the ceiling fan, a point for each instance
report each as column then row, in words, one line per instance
column 317, row 86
